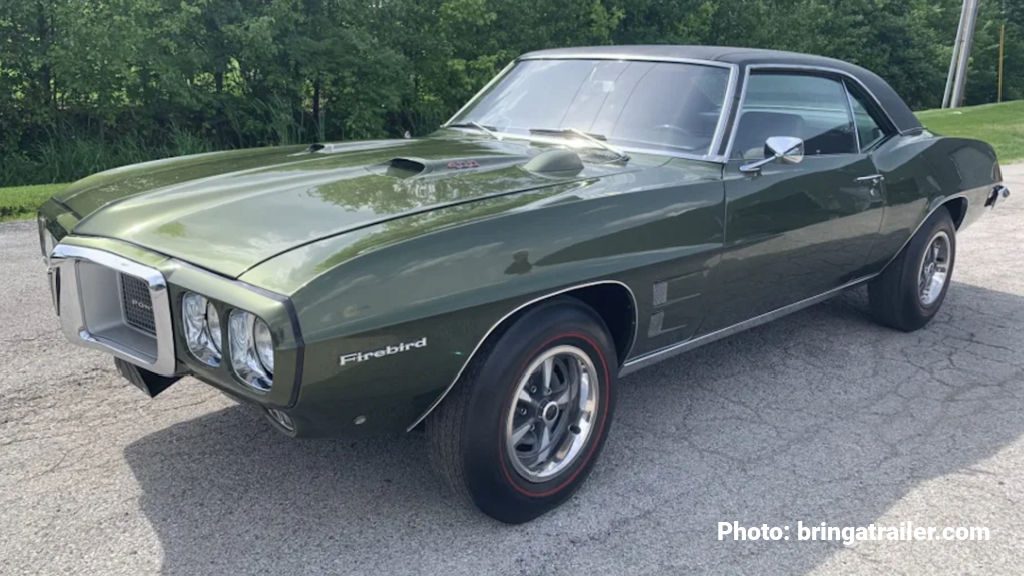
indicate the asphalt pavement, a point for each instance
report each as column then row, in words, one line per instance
column 819, row 417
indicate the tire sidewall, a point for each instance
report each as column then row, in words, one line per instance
column 493, row 482
column 939, row 222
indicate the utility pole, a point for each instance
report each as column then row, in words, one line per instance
column 1002, row 51
column 956, row 80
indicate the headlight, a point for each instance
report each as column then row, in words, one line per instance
column 202, row 328
column 252, row 350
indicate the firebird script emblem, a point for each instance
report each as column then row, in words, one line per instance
column 388, row 350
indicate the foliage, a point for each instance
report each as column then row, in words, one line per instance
column 90, row 84
column 1002, row 125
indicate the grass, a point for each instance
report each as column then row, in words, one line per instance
column 1001, row 125
column 21, row 202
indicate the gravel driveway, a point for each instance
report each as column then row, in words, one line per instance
column 820, row 417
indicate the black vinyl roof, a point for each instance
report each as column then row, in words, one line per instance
column 890, row 101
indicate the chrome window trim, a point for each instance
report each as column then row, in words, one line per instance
column 851, row 97
column 851, row 115
column 797, row 68
column 64, row 261
column 720, row 128
column 509, row 314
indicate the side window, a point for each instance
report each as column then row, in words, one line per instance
column 814, row 108
column 869, row 130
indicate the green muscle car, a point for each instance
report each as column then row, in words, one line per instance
column 590, row 212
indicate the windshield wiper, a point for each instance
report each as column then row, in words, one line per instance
column 598, row 140
column 478, row 126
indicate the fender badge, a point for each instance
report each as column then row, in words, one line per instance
column 388, row 350
column 463, row 164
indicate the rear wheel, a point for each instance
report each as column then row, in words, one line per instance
column 910, row 291
column 522, row 428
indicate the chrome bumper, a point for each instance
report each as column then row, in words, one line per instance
column 88, row 297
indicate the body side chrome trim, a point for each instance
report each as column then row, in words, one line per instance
column 670, row 351
column 509, row 314
column 799, row 68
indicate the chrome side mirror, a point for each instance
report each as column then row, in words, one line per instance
column 784, row 149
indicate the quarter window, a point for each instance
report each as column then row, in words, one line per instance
column 869, row 130
column 813, row 108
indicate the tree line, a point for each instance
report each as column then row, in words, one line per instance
column 90, row 84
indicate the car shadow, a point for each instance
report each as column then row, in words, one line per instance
column 822, row 416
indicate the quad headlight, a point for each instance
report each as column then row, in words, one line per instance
column 252, row 350
column 202, row 328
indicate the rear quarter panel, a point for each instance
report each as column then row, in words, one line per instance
column 922, row 172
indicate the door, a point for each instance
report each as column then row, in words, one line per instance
column 794, row 231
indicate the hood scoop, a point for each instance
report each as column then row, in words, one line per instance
column 409, row 166
column 405, row 167
column 559, row 163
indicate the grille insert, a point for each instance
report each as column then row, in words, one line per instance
column 137, row 304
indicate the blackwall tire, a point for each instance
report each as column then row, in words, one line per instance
column 911, row 290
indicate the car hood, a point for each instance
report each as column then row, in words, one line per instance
column 229, row 211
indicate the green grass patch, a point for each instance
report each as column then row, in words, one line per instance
column 1001, row 125
column 21, row 202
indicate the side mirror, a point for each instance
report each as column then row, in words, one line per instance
column 784, row 149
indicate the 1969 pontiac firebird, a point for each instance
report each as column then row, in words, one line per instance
column 590, row 212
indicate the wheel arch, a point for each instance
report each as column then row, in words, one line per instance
column 606, row 298
column 957, row 207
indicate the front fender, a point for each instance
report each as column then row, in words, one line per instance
column 440, row 282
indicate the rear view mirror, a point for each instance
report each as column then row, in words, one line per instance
column 784, row 149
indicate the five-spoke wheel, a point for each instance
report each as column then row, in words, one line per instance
column 909, row 292
column 553, row 413
column 523, row 426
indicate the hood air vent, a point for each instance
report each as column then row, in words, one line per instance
column 559, row 163
column 405, row 167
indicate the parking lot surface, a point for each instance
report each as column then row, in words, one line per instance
column 819, row 417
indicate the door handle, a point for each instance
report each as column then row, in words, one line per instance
column 875, row 180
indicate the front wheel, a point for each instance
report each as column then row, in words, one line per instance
column 524, row 425
column 910, row 291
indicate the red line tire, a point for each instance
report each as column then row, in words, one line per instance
column 470, row 435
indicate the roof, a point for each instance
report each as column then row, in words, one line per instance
column 890, row 101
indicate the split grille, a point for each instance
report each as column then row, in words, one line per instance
column 137, row 304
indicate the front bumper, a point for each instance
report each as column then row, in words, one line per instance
column 82, row 281
column 87, row 279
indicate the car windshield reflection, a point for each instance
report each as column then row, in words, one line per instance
column 669, row 106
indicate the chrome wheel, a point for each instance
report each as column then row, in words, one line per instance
column 933, row 272
column 553, row 412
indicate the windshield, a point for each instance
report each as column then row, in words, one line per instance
column 647, row 105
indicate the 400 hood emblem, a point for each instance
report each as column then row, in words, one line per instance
column 388, row 350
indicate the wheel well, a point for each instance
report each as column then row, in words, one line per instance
column 957, row 210
column 615, row 305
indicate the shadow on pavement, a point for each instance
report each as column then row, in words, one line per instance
column 821, row 416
